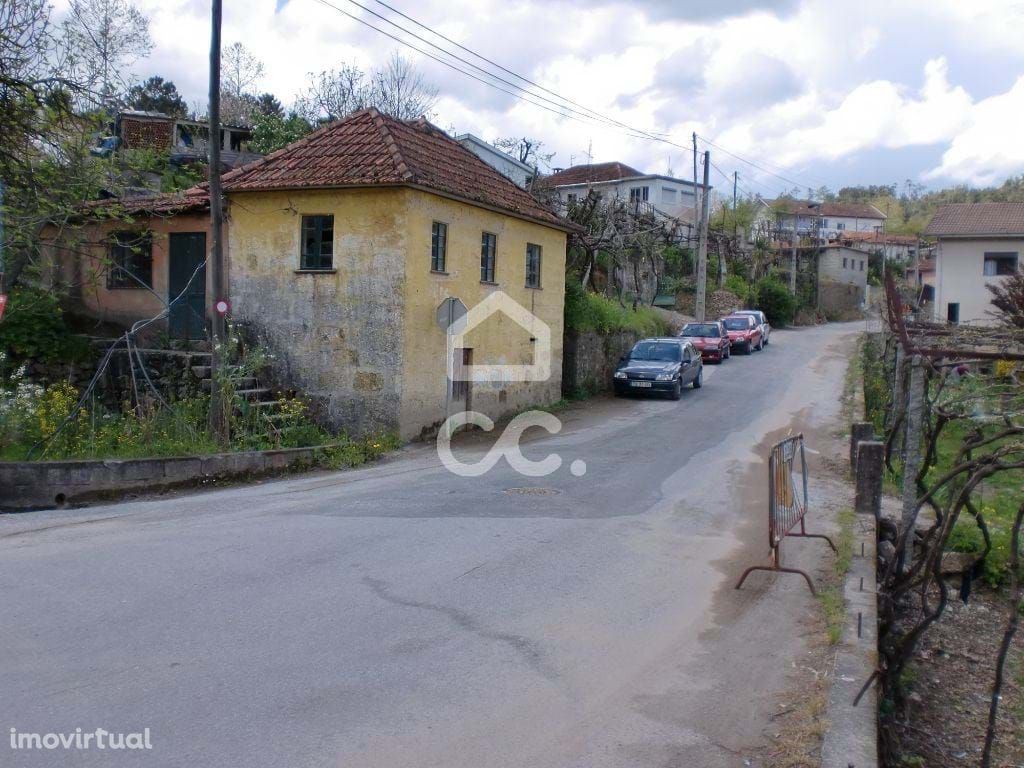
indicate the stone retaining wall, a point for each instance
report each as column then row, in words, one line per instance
column 26, row 485
column 590, row 359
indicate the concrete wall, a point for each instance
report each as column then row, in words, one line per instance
column 591, row 359
column 47, row 484
column 80, row 262
column 960, row 276
column 499, row 340
column 337, row 335
column 831, row 268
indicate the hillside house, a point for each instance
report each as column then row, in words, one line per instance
column 784, row 219
column 978, row 244
column 664, row 196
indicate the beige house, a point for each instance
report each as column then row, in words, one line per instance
column 347, row 245
column 979, row 244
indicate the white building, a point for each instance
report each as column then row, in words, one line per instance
column 785, row 217
column 666, row 196
column 979, row 244
column 521, row 173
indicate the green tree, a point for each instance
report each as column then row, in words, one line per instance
column 272, row 132
column 156, row 95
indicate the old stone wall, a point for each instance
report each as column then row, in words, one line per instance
column 336, row 335
column 837, row 300
column 591, row 358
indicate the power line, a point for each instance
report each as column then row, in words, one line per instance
column 600, row 119
column 502, row 68
column 594, row 116
column 753, row 164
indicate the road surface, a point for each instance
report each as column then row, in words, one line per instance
column 401, row 615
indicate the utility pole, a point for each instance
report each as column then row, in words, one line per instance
column 218, row 417
column 696, row 199
column 702, row 249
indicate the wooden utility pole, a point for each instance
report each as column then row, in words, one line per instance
column 218, row 417
column 702, row 249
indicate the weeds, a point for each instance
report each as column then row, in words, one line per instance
column 833, row 603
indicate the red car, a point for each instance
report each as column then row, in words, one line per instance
column 744, row 332
column 710, row 339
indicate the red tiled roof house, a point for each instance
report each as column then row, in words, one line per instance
column 345, row 244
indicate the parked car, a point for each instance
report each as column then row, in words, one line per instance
column 662, row 365
column 762, row 320
column 744, row 332
column 710, row 339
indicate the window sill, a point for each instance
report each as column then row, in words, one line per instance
column 534, row 287
column 315, row 271
column 129, row 288
column 439, row 272
column 489, row 282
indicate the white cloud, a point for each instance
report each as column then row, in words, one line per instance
column 990, row 147
column 793, row 83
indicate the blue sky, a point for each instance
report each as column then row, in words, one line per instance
column 816, row 91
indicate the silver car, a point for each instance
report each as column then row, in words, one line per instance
column 761, row 320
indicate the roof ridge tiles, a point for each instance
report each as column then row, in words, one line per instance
column 401, row 166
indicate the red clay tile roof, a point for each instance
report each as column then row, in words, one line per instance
column 192, row 200
column 589, row 174
column 960, row 219
column 368, row 148
column 810, row 208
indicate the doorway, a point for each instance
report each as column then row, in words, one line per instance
column 187, row 278
column 461, row 391
column 953, row 312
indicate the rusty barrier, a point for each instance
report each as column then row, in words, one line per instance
column 787, row 505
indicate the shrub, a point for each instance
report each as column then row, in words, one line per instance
column 775, row 300
column 586, row 311
column 739, row 287
column 33, row 328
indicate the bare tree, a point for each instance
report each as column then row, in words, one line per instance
column 525, row 150
column 333, row 93
column 240, row 70
column 104, row 38
column 397, row 89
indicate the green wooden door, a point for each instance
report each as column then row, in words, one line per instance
column 186, row 285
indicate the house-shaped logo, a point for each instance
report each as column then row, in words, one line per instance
column 540, row 335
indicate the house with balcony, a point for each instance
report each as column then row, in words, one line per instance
column 787, row 219
column 666, row 197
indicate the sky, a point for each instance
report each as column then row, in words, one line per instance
column 806, row 93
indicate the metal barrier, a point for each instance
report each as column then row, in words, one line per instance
column 787, row 505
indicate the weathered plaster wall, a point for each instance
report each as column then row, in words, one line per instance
column 81, row 263
column 337, row 335
column 499, row 340
column 960, row 276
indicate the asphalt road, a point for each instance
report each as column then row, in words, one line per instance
column 404, row 616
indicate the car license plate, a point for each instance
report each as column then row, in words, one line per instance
column 639, row 383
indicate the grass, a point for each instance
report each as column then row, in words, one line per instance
column 999, row 498
column 831, row 594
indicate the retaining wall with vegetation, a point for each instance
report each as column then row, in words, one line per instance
column 45, row 484
column 590, row 358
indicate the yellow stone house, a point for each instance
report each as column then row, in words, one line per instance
column 344, row 248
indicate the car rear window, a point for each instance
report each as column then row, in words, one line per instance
column 737, row 323
column 701, row 329
column 666, row 351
